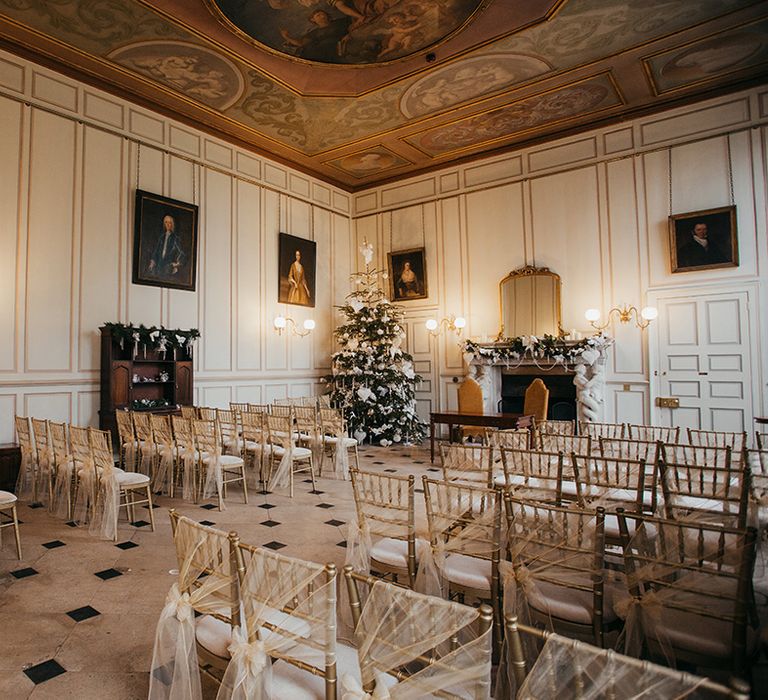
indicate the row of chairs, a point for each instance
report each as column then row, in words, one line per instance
column 71, row 469
column 554, row 563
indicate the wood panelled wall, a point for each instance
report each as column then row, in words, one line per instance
column 70, row 161
column 594, row 209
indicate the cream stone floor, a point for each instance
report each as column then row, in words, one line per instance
column 107, row 654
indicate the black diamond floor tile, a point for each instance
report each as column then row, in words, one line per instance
column 126, row 545
column 24, row 573
column 140, row 523
column 275, row 545
column 108, row 574
column 207, row 522
column 418, row 461
column 324, row 505
column 334, row 522
column 39, row 673
column 343, row 544
column 35, row 505
column 307, row 481
column 71, row 523
column 270, row 523
column 317, row 493
column 53, row 544
column 433, row 469
column 154, row 505
column 418, row 490
column 378, row 462
column 208, row 506
column 84, row 613
column 267, row 506
column 391, row 471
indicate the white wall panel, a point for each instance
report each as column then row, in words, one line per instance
column 10, row 161
column 216, row 251
column 88, row 408
column 247, row 267
column 322, row 337
column 54, row 405
column 7, row 412
column 215, row 396
column 50, row 243
column 100, row 241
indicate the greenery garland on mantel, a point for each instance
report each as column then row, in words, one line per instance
column 547, row 347
column 161, row 339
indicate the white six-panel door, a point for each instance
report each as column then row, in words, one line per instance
column 703, row 359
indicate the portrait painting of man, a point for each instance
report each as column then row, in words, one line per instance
column 165, row 242
column 297, row 270
column 703, row 240
column 408, row 275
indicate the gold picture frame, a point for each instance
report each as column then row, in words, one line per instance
column 690, row 251
column 407, row 274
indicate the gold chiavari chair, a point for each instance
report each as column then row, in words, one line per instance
column 115, row 488
column 605, row 430
column 654, row 433
column 467, row 464
column 146, row 453
column 205, row 413
column 613, row 483
column 556, row 427
column 691, row 592
column 229, row 425
column 288, row 615
column 400, row 637
column 718, row 438
column 240, row 407
column 187, row 457
column 291, row 458
column 567, row 444
column 323, row 401
column 258, row 407
column 698, row 455
column 63, row 485
column 513, row 438
column 45, row 462
column 625, row 448
column 711, row 495
column 336, row 441
column 465, row 542
column 255, row 444
column 282, row 409
column 27, row 482
column 128, row 445
column 194, row 631
column 308, row 429
column 385, row 510
column 562, row 667
column 554, row 576
column 164, row 467
column 534, row 475
column 216, row 470
column 9, row 518
column 189, row 412
column 285, row 401
column 84, row 468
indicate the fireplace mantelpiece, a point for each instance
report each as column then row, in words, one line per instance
column 587, row 370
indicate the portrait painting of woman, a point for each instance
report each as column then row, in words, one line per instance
column 297, row 270
column 408, row 275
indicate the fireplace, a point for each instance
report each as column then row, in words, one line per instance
column 562, row 393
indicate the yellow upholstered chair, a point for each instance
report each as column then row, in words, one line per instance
column 536, row 400
column 470, row 397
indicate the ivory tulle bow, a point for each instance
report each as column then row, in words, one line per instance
column 352, row 690
column 178, row 604
column 252, row 656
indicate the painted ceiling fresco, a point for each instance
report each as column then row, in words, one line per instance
column 410, row 84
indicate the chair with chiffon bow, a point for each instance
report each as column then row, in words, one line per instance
column 603, row 430
column 468, row 464
column 128, row 445
column 545, row 664
column 27, row 482
column 717, row 438
column 145, row 456
column 556, row 427
column 185, row 471
column 164, row 468
column 699, row 455
column 186, row 644
column 654, row 433
column 690, row 592
column 291, row 458
column 555, row 574
column 532, row 474
column 285, row 646
column 412, row 645
column 64, row 471
column 216, row 470
column 337, row 442
column 45, row 467
column 465, row 542
column 385, row 511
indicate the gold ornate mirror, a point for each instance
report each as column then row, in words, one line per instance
column 530, row 302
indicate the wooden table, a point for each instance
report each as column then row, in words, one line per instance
column 486, row 420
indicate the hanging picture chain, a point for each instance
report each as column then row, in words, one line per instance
column 138, row 163
column 669, row 177
column 730, row 168
column 194, row 183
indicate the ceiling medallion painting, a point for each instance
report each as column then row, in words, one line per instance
column 347, row 31
column 197, row 72
column 372, row 161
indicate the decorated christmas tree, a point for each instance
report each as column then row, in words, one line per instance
column 373, row 378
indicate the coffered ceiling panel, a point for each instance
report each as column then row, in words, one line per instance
column 358, row 92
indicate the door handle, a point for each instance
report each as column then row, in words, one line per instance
column 667, row 402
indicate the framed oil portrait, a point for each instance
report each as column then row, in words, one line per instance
column 407, row 275
column 703, row 240
column 165, row 242
column 297, row 273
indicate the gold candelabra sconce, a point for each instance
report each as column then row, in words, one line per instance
column 454, row 324
column 625, row 314
column 282, row 323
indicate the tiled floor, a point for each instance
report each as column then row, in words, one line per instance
column 78, row 615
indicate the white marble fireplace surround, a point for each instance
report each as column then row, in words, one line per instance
column 588, row 372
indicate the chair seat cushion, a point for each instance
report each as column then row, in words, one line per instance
column 227, row 461
column 570, row 604
column 132, row 479
column 346, row 441
column 392, row 552
column 468, row 571
column 298, row 452
column 7, row 498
